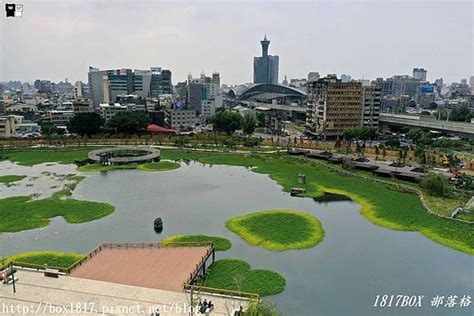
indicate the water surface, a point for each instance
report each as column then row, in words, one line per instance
column 341, row 276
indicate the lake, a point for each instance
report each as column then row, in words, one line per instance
column 340, row 276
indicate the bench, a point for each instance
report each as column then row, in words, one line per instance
column 51, row 273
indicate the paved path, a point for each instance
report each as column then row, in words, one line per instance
column 37, row 294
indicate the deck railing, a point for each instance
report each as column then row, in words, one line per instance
column 228, row 293
column 114, row 245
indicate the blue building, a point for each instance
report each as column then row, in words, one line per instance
column 265, row 68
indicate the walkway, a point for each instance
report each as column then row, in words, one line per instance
column 37, row 294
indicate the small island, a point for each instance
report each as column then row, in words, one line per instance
column 278, row 229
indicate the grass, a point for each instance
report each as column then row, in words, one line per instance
column 159, row 166
column 220, row 244
column 10, row 178
column 382, row 205
column 278, row 229
column 22, row 212
column 31, row 157
column 223, row 273
column 93, row 168
column 152, row 166
column 50, row 258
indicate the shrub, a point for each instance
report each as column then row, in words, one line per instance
column 436, row 185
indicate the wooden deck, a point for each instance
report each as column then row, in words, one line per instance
column 159, row 268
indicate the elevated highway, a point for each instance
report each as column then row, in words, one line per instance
column 458, row 128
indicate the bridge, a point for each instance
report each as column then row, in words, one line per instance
column 458, row 128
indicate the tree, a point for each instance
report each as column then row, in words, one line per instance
column 86, row 124
column 441, row 115
column 461, row 114
column 261, row 119
column 370, row 134
column 248, row 124
column 350, row 134
column 454, row 162
column 433, row 106
column 377, row 152
column 227, row 121
column 48, row 129
column 129, row 123
column 436, row 185
column 420, row 154
column 261, row 308
column 415, row 134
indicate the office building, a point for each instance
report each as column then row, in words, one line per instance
column 333, row 106
column 419, row 74
column 44, row 86
column 106, row 85
column 60, row 117
column 425, row 96
column 81, row 106
column 203, row 94
column 108, row 110
column 299, row 84
column 265, row 68
column 181, row 120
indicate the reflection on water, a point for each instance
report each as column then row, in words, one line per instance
column 340, row 276
column 331, row 197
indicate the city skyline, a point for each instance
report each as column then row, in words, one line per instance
column 55, row 41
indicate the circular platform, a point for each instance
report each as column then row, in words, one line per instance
column 137, row 155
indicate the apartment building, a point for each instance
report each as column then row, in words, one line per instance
column 333, row 106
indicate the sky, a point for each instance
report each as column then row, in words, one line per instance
column 367, row 39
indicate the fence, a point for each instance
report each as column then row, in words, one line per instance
column 118, row 245
column 228, row 293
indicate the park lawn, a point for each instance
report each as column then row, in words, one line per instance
column 278, row 229
column 222, row 274
column 220, row 244
column 11, row 178
column 22, row 212
column 31, row 157
column 159, row 166
column 50, row 258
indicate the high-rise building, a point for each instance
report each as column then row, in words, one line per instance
column 333, row 106
column 79, row 91
column 419, row 74
column 371, row 98
column 265, row 68
column 400, row 85
column 44, row 85
column 143, row 83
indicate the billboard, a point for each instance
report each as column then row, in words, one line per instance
column 427, row 89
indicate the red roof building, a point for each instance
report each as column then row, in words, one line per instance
column 155, row 129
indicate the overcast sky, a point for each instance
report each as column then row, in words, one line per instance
column 366, row 39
